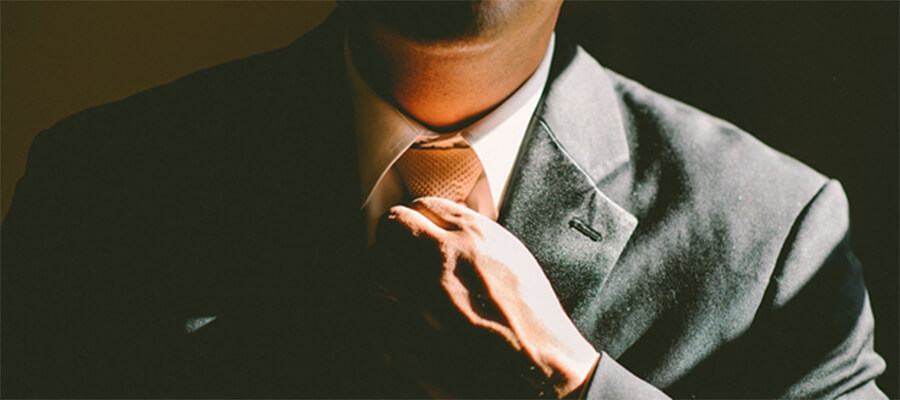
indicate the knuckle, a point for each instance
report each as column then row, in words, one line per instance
column 426, row 202
column 396, row 212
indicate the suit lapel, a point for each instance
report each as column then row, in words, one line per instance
column 552, row 203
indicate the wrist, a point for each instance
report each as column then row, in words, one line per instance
column 578, row 375
column 581, row 391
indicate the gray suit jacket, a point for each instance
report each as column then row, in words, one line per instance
column 203, row 238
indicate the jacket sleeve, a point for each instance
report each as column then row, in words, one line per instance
column 41, row 278
column 813, row 334
column 75, row 319
column 820, row 301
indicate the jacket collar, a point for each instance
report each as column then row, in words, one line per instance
column 581, row 108
column 553, row 204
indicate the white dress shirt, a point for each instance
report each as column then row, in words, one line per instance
column 384, row 133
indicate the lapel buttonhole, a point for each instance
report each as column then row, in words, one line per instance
column 585, row 229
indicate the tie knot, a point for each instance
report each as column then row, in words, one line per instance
column 446, row 172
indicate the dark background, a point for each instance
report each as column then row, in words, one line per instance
column 816, row 80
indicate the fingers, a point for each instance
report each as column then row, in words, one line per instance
column 443, row 212
column 414, row 221
column 430, row 216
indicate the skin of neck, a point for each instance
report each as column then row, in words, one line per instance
column 447, row 85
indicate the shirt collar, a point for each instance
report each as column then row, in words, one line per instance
column 384, row 132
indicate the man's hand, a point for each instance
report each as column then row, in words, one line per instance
column 470, row 278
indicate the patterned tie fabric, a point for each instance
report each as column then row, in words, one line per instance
column 447, row 172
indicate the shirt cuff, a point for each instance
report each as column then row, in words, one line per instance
column 612, row 381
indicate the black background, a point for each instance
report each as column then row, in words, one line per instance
column 818, row 81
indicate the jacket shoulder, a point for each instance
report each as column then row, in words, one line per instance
column 747, row 249
column 209, row 111
column 715, row 205
column 710, row 162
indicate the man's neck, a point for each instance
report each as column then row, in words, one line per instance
column 446, row 86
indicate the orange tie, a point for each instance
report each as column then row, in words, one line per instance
column 449, row 172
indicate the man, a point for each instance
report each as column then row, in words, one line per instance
column 640, row 249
